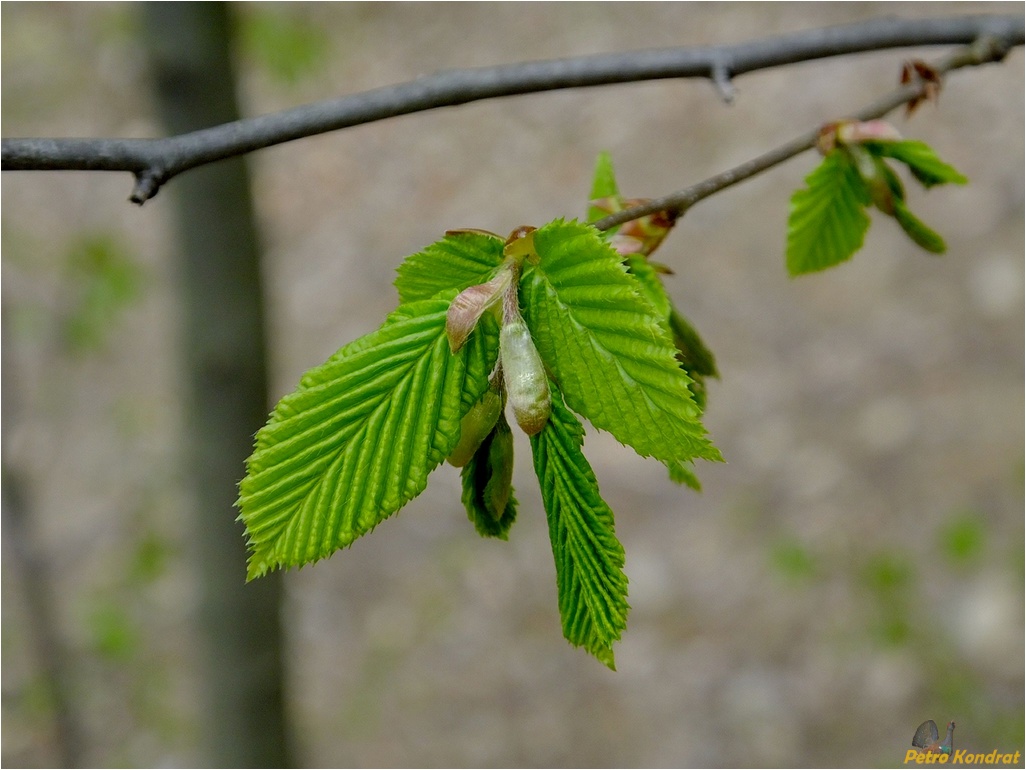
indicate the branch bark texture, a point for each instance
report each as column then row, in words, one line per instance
column 155, row 161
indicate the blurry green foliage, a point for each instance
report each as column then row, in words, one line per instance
column 886, row 575
column 112, row 632
column 104, row 278
column 963, row 539
column 287, row 45
column 35, row 697
column 888, row 578
column 793, row 560
column 151, row 558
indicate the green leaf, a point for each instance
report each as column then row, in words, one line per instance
column 917, row 230
column 591, row 585
column 358, row 438
column 692, row 353
column 881, row 183
column 603, row 185
column 894, row 183
column 827, row 222
column 650, row 285
column 488, row 484
column 459, row 260
column 684, row 473
column 921, row 160
column 607, row 347
column 696, row 358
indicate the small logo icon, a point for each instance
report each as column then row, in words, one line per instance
column 928, row 740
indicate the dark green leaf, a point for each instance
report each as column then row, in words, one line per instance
column 697, row 359
column 488, row 484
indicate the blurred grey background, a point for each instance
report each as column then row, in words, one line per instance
column 855, row 568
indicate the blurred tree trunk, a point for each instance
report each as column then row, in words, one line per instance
column 242, row 718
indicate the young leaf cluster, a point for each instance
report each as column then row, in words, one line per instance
column 554, row 321
column 828, row 219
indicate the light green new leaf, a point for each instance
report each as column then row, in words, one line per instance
column 918, row 230
column 457, row 261
column 591, row 585
column 358, row 438
column 921, row 160
column 692, row 353
column 607, row 347
column 651, row 286
column 603, row 185
column 827, row 222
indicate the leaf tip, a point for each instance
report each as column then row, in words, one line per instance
column 257, row 568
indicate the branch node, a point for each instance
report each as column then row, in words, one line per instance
column 719, row 73
column 990, row 48
column 147, row 184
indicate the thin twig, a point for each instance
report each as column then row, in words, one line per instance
column 983, row 51
column 155, row 161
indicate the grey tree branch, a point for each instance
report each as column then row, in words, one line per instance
column 985, row 50
column 155, row 161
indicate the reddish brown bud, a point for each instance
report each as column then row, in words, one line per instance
column 850, row 132
column 468, row 306
column 520, row 244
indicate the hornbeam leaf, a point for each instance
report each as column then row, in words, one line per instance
column 693, row 355
column 918, row 230
column 604, row 189
column 607, row 347
column 488, row 484
column 827, row 223
column 358, row 438
column 921, row 160
column 590, row 582
column 684, row 473
column 650, row 285
column 463, row 258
